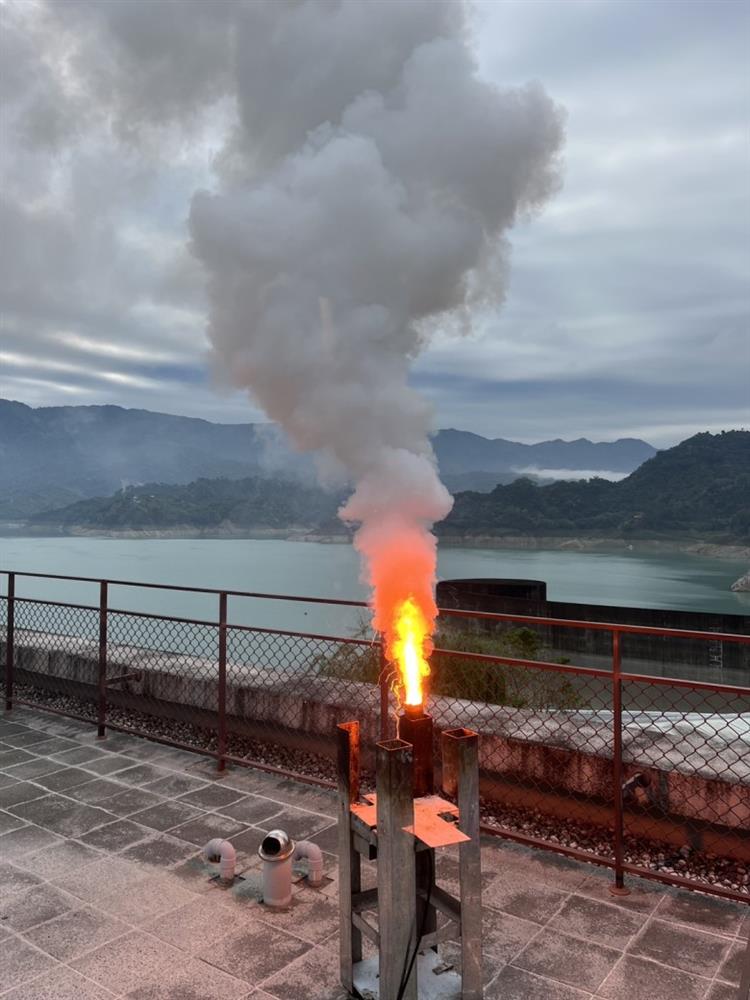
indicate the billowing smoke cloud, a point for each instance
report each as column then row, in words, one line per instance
column 364, row 199
column 365, row 179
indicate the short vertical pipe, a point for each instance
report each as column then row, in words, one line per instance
column 619, row 887
column 384, row 694
column 350, row 869
column 461, row 779
column 222, row 694
column 10, row 639
column 417, row 728
column 101, row 712
column 397, row 898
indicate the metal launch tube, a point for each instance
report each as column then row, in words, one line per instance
column 415, row 727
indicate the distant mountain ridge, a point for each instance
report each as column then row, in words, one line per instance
column 52, row 456
column 462, row 451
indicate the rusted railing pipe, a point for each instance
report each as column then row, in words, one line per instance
column 101, row 710
column 619, row 887
column 222, row 685
column 10, row 642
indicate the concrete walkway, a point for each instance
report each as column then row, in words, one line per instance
column 102, row 892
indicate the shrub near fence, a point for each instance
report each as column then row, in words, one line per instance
column 644, row 774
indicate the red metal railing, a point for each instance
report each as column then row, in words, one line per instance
column 227, row 689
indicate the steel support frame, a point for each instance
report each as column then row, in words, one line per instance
column 405, row 868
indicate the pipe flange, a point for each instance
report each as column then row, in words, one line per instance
column 277, row 845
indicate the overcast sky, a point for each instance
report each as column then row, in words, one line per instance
column 627, row 313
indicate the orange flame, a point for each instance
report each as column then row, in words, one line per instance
column 400, row 558
column 411, row 632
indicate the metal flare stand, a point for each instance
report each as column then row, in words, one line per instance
column 408, row 915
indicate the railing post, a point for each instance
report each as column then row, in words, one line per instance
column 101, row 714
column 10, row 642
column 383, row 683
column 618, row 889
column 222, row 694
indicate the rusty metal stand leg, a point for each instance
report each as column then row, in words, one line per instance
column 350, row 937
column 461, row 779
column 397, row 903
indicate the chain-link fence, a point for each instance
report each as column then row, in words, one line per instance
column 162, row 677
column 686, row 778
column 647, row 774
column 55, row 655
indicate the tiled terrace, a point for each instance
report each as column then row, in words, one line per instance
column 102, row 892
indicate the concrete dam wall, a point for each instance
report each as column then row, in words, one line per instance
column 693, row 659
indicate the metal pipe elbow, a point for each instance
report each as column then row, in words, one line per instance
column 307, row 851
column 223, row 852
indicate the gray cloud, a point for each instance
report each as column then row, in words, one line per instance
column 627, row 305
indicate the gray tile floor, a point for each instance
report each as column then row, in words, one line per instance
column 103, row 893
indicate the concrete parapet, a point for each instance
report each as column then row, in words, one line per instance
column 697, row 765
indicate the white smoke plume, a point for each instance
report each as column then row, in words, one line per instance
column 364, row 200
column 365, row 178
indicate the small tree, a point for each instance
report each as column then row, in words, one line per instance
column 352, row 662
column 456, row 676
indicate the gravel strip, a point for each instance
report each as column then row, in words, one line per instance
column 653, row 855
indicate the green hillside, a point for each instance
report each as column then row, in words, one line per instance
column 700, row 488
column 207, row 503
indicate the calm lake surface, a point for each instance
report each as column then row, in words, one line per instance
column 681, row 581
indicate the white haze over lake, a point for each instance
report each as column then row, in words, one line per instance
column 571, row 474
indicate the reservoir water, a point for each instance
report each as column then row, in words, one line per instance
column 679, row 581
